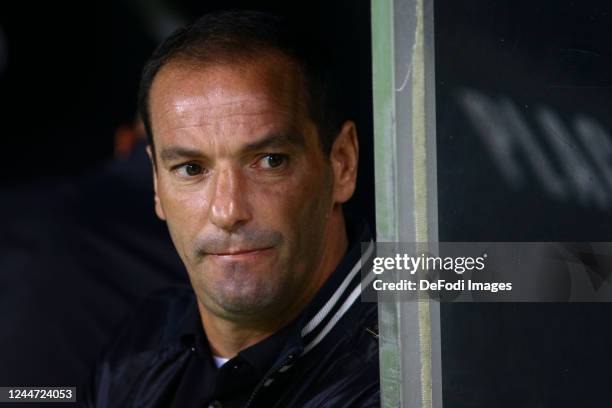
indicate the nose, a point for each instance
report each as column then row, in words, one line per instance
column 229, row 207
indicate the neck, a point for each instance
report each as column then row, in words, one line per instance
column 228, row 337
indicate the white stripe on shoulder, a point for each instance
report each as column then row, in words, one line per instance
column 346, row 306
column 321, row 314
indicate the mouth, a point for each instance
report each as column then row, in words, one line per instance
column 241, row 254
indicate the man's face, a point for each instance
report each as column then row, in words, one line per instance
column 242, row 183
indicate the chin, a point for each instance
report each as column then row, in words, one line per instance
column 241, row 298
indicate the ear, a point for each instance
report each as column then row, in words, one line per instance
column 158, row 207
column 344, row 158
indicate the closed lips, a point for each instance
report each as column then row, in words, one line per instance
column 240, row 252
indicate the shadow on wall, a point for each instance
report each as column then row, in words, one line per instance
column 571, row 159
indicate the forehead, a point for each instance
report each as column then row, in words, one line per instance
column 262, row 90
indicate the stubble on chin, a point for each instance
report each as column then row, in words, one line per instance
column 234, row 293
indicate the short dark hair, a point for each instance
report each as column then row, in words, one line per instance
column 235, row 35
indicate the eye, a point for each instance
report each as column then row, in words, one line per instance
column 190, row 170
column 272, row 161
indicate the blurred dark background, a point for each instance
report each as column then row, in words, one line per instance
column 524, row 126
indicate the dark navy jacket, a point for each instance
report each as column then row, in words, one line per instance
column 327, row 357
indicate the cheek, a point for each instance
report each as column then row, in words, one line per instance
column 185, row 213
column 295, row 206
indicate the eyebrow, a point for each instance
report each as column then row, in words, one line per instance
column 178, row 152
column 273, row 140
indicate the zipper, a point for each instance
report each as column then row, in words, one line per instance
column 266, row 377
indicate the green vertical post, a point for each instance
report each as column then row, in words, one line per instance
column 406, row 191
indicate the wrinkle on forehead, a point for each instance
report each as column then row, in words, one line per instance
column 198, row 116
column 189, row 97
column 259, row 104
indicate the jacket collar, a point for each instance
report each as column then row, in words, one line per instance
column 338, row 295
